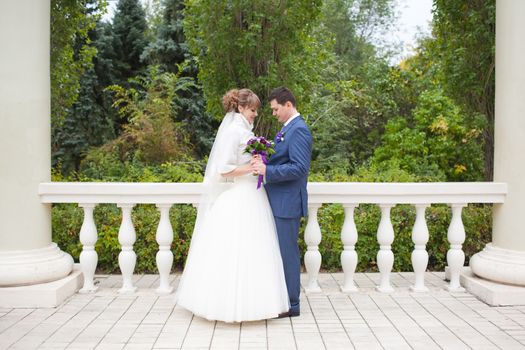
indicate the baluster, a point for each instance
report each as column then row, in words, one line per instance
column 349, row 255
column 420, row 254
column 385, row 257
column 455, row 255
column 88, row 256
column 312, row 257
column 127, row 257
column 164, row 255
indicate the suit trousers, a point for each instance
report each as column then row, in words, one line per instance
column 288, row 232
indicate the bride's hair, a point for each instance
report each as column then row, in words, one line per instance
column 243, row 97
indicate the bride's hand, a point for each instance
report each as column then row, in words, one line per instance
column 252, row 168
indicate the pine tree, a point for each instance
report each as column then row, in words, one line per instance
column 91, row 121
column 129, row 41
column 171, row 53
column 170, row 48
column 87, row 125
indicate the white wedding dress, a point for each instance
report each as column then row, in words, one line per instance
column 234, row 270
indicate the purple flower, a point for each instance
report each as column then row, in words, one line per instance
column 279, row 137
column 260, row 146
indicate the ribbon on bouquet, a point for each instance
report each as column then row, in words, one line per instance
column 265, row 161
column 260, row 178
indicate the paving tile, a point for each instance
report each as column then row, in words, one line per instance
column 366, row 319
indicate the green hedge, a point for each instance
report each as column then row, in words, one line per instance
column 476, row 218
column 67, row 220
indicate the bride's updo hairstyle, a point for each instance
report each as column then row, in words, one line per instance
column 244, row 97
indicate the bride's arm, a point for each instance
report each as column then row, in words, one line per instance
column 239, row 171
column 234, row 153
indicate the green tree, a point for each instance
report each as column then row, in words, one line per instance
column 129, row 41
column 464, row 48
column 355, row 26
column 91, row 120
column 71, row 50
column 360, row 92
column 151, row 136
column 169, row 48
column 87, row 125
column 170, row 52
column 154, row 10
column 352, row 117
column 435, row 144
column 259, row 44
column 104, row 60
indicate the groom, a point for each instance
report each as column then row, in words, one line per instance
column 286, row 175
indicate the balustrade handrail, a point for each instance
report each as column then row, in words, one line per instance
column 350, row 195
column 319, row 192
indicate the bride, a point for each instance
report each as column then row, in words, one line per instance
column 234, row 270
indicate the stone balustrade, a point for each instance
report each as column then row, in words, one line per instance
column 350, row 195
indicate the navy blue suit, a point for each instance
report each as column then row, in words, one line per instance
column 286, row 178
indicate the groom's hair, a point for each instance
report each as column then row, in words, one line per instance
column 282, row 95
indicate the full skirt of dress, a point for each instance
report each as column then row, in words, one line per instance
column 234, row 269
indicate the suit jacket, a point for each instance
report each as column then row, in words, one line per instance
column 287, row 171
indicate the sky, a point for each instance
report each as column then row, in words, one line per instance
column 414, row 18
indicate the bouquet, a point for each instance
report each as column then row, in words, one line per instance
column 260, row 146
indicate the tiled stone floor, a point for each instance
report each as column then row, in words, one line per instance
column 329, row 320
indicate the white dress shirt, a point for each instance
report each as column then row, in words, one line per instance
column 291, row 118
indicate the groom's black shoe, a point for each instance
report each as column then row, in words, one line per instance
column 289, row 314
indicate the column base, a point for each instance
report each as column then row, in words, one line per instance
column 34, row 266
column 42, row 295
column 499, row 265
column 492, row 293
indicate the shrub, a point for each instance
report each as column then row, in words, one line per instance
column 67, row 220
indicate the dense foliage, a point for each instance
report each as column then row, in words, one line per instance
column 258, row 44
column 169, row 50
column 138, row 99
column 72, row 50
column 464, row 49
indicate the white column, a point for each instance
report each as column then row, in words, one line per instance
column 504, row 259
column 164, row 255
column 455, row 255
column 312, row 257
column 349, row 255
column 27, row 255
column 385, row 257
column 88, row 257
column 127, row 257
column 419, row 254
